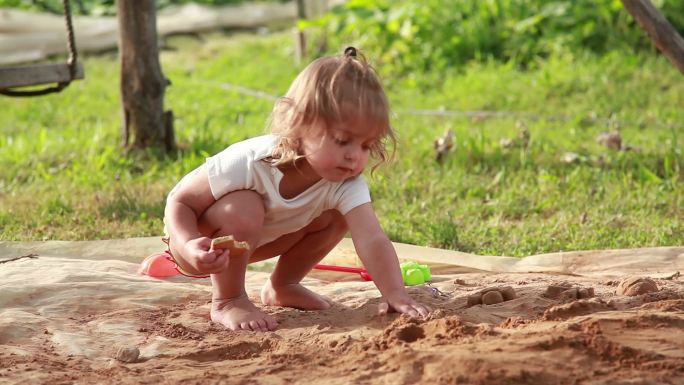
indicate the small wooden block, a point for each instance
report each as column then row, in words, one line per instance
column 236, row 248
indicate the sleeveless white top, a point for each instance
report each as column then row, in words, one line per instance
column 244, row 166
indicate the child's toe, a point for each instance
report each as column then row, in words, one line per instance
column 271, row 323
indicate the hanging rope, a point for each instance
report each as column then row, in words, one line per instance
column 71, row 40
column 72, row 61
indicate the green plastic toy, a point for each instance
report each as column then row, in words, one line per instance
column 414, row 273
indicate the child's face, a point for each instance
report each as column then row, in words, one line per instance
column 341, row 152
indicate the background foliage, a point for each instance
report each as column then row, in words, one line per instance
column 432, row 35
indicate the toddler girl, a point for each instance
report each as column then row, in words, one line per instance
column 294, row 193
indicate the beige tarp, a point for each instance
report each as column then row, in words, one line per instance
column 82, row 299
column 653, row 260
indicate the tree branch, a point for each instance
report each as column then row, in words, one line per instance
column 659, row 30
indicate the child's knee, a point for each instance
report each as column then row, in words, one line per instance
column 242, row 227
column 239, row 213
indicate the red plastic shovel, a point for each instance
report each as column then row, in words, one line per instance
column 345, row 269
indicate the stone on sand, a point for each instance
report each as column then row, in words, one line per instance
column 128, row 354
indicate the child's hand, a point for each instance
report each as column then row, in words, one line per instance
column 403, row 304
column 203, row 258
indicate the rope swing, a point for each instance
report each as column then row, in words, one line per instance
column 62, row 74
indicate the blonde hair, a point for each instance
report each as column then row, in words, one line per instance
column 331, row 89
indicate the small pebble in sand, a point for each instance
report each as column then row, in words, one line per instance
column 632, row 286
column 128, row 354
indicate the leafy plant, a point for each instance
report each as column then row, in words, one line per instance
column 432, row 35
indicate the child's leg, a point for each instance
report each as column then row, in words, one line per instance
column 240, row 214
column 299, row 252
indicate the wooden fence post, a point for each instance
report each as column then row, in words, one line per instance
column 308, row 9
column 299, row 36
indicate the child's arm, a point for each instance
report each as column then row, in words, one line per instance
column 380, row 259
column 182, row 211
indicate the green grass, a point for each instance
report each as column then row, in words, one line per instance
column 63, row 174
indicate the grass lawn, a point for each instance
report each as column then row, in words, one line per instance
column 63, row 174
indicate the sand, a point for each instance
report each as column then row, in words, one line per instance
column 77, row 312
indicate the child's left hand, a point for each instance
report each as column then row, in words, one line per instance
column 403, row 304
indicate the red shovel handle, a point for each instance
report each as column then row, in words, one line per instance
column 346, row 269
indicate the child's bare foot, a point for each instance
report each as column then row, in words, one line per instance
column 293, row 295
column 240, row 314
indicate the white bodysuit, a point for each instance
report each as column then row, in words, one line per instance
column 245, row 166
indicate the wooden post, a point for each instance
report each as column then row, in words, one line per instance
column 142, row 82
column 661, row 32
column 299, row 36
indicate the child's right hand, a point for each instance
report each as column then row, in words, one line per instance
column 402, row 303
column 203, row 258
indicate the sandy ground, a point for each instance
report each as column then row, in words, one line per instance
column 68, row 309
